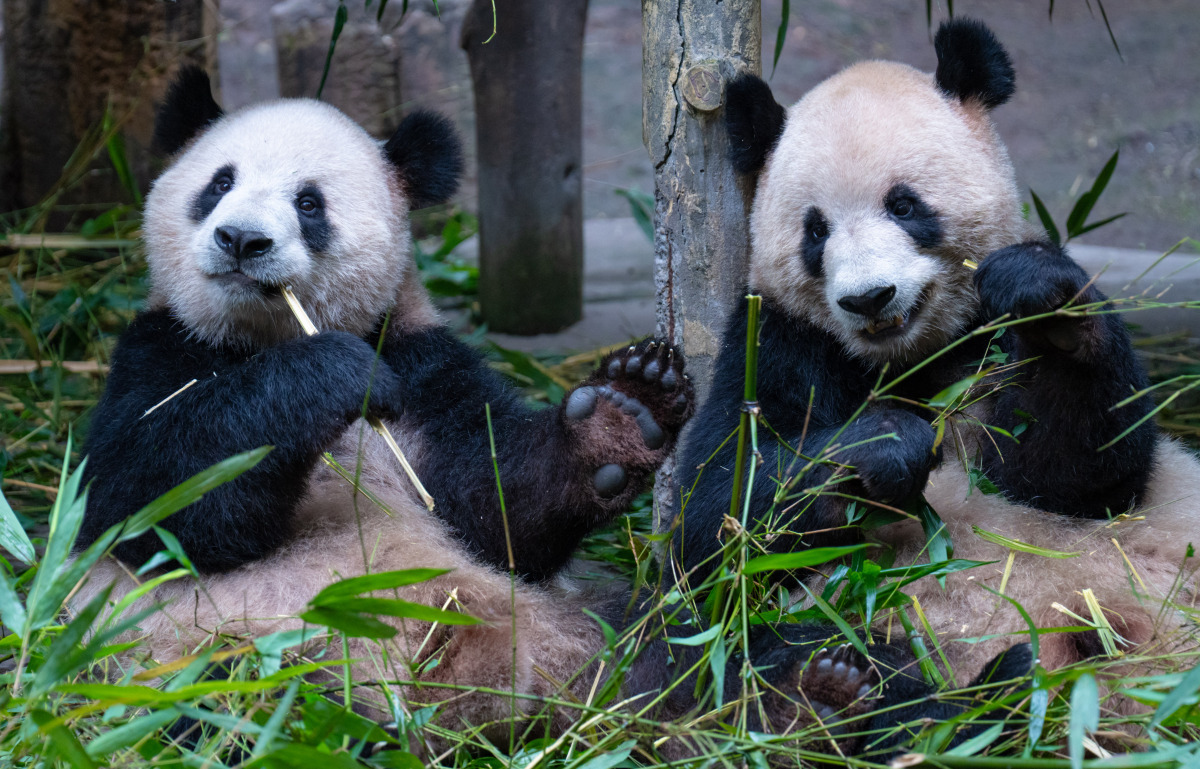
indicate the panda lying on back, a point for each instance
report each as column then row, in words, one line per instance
column 873, row 192
column 292, row 193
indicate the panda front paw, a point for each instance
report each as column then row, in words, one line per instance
column 1037, row 278
column 625, row 418
column 892, row 452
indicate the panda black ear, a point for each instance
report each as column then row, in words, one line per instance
column 754, row 121
column 186, row 111
column 427, row 152
column 972, row 63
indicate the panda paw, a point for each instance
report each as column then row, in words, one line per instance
column 834, row 686
column 1037, row 278
column 892, row 452
column 626, row 416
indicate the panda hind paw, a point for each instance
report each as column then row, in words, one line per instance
column 839, row 683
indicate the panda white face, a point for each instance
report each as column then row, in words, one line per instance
column 290, row 193
column 879, row 188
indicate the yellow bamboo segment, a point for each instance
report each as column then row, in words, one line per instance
column 375, row 422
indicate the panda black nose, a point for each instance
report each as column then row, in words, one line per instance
column 242, row 244
column 869, row 304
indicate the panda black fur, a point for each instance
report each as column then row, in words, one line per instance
column 872, row 192
column 294, row 193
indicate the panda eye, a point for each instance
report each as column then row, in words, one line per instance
column 222, row 185
column 307, row 205
column 818, row 231
column 902, row 208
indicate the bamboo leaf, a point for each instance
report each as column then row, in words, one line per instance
column 798, row 560
column 369, row 583
column 1047, row 220
column 836, row 619
column 65, row 743
column 1024, row 547
column 698, row 639
column 352, row 624
column 12, row 534
column 781, row 34
column 1085, row 716
column 394, row 607
column 1185, row 691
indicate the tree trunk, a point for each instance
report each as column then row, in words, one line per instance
column 66, row 63
column 528, row 82
column 690, row 50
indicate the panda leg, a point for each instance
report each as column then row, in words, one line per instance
column 1073, row 371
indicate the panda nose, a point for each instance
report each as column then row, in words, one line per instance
column 242, row 244
column 869, row 304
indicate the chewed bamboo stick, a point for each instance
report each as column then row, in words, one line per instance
column 375, row 422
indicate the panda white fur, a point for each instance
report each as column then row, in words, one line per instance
column 873, row 191
column 294, row 193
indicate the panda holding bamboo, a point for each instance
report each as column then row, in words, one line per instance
column 293, row 195
column 877, row 194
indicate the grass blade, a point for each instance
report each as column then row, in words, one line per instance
column 1085, row 716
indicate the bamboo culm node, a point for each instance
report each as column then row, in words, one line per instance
column 375, row 422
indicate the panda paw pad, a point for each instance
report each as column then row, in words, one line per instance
column 839, row 683
column 626, row 416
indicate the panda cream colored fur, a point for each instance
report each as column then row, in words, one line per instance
column 872, row 192
column 293, row 193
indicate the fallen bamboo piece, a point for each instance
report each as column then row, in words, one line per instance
column 375, row 422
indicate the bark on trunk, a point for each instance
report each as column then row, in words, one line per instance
column 65, row 63
column 690, row 49
column 528, row 82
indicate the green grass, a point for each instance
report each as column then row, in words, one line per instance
column 76, row 704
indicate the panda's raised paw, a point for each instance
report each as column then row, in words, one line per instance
column 625, row 417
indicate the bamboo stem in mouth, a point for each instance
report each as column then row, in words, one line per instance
column 375, row 422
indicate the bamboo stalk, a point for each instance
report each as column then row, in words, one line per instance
column 375, row 422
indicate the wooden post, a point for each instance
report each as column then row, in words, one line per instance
column 65, row 64
column 528, row 83
column 690, row 49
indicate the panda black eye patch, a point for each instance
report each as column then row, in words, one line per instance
column 206, row 200
column 913, row 215
column 314, row 225
column 812, row 249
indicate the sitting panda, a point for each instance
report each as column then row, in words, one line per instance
column 293, row 193
column 876, row 195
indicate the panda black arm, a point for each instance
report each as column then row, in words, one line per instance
column 297, row 396
column 1073, row 371
column 564, row 470
column 795, row 358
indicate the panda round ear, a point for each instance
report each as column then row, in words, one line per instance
column 754, row 121
column 426, row 151
column 972, row 63
column 186, row 111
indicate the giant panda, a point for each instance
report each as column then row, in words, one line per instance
column 877, row 194
column 293, row 193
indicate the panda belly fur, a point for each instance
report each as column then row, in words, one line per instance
column 550, row 632
column 1142, row 585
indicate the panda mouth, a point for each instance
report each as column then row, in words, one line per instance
column 240, row 280
column 886, row 327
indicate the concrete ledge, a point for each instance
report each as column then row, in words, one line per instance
column 1128, row 272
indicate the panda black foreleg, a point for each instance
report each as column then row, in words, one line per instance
column 563, row 470
column 885, row 456
column 297, row 397
column 1073, row 371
